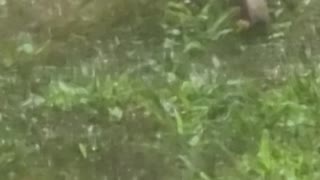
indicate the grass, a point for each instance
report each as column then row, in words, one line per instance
column 171, row 109
column 160, row 125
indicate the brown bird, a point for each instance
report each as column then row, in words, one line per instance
column 253, row 13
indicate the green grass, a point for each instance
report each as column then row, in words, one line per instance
column 177, row 95
column 160, row 125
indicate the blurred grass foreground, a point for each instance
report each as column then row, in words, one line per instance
column 158, row 90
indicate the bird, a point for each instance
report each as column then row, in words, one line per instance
column 254, row 14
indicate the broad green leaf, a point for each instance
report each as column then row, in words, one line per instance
column 265, row 152
column 26, row 48
column 179, row 122
column 83, row 150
